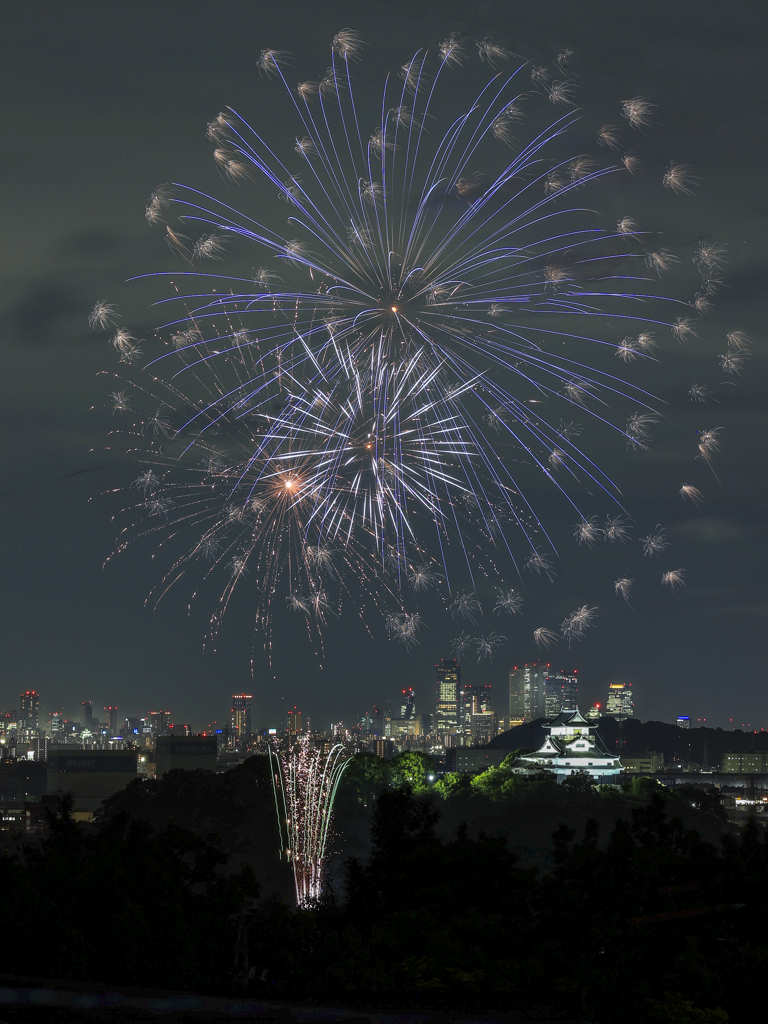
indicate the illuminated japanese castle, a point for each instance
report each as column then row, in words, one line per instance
column 572, row 745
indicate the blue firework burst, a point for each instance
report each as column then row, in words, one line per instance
column 440, row 302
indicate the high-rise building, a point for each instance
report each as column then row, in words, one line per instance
column 89, row 722
column 594, row 713
column 482, row 727
column 683, row 722
column 474, row 699
column 527, row 692
column 408, row 705
column 620, row 704
column 240, row 719
column 294, row 720
column 364, row 724
column 381, row 719
column 112, row 720
column 159, row 722
column 447, row 684
column 561, row 692
column 30, row 709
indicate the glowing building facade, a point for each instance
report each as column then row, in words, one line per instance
column 240, row 719
column 527, row 692
column 620, row 704
column 447, row 697
column 561, row 692
column 30, row 709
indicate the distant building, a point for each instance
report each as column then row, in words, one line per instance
column 29, row 718
column 384, row 748
column 186, row 752
column 447, row 683
column 406, row 726
column 40, row 747
column 527, row 692
column 294, row 720
column 89, row 722
column 594, row 713
column 643, row 764
column 473, row 699
column 683, row 722
column 482, row 727
column 572, row 745
column 382, row 718
column 365, row 724
column 114, row 725
column 620, row 703
column 561, row 692
column 408, row 705
column 240, row 719
column 90, row 775
column 745, row 764
column 159, row 722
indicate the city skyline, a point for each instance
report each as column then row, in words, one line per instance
column 559, row 692
column 74, row 629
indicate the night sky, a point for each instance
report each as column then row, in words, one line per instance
column 103, row 101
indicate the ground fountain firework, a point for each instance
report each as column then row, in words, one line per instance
column 305, row 781
column 365, row 406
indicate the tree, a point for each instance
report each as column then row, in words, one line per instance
column 412, row 768
column 454, row 784
column 366, row 776
column 579, row 783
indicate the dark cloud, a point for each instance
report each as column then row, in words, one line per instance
column 42, row 316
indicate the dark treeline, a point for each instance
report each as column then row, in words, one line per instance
column 638, row 916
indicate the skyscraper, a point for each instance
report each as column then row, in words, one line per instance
column 112, row 719
column 561, row 692
column 474, row 699
column 89, row 722
column 447, row 683
column 620, row 704
column 408, row 705
column 30, row 709
column 160, row 722
column 382, row 716
column 240, row 719
column 294, row 720
column 527, row 692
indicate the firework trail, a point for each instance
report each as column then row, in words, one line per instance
column 305, row 782
column 358, row 416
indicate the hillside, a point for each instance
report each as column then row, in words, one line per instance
column 697, row 745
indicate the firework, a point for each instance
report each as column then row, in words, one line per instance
column 342, row 422
column 654, row 543
column 691, row 493
column 305, row 782
column 576, row 623
column 509, row 601
column 544, row 637
column 462, row 644
column 673, row 578
column 485, row 646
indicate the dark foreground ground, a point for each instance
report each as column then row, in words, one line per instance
column 55, row 1002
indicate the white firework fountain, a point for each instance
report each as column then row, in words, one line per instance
column 305, row 782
